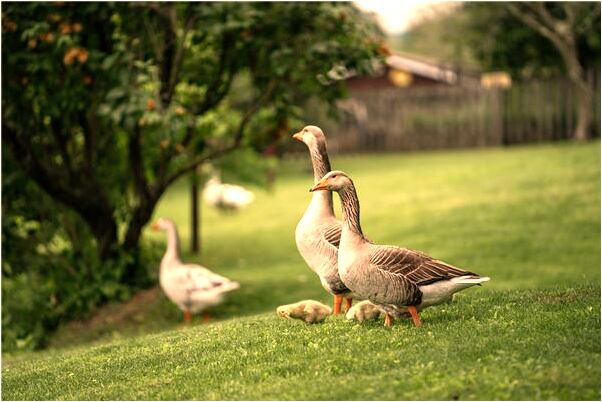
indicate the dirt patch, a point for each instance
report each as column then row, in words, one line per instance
column 109, row 318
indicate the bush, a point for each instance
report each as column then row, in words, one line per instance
column 51, row 271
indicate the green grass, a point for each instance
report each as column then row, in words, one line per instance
column 529, row 217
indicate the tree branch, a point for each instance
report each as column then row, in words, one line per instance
column 26, row 158
column 541, row 10
column 529, row 19
column 156, row 45
column 238, row 136
column 61, row 141
column 214, row 94
column 136, row 164
column 168, row 16
column 89, row 123
column 179, row 56
column 87, row 199
column 219, row 87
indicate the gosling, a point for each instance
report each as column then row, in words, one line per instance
column 363, row 311
column 310, row 311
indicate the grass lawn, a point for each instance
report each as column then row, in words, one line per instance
column 527, row 216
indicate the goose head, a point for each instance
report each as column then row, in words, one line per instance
column 283, row 311
column 311, row 136
column 162, row 224
column 333, row 181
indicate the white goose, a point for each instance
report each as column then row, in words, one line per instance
column 191, row 287
column 396, row 279
column 228, row 197
column 318, row 232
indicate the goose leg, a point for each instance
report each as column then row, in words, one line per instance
column 206, row 317
column 338, row 299
column 187, row 316
column 415, row 316
column 388, row 320
column 348, row 302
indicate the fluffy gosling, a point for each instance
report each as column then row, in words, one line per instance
column 363, row 311
column 310, row 311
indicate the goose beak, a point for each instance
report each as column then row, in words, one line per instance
column 155, row 226
column 298, row 136
column 321, row 185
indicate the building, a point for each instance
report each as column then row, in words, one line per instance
column 402, row 70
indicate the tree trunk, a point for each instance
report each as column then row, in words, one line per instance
column 136, row 274
column 194, row 213
column 105, row 233
column 96, row 211
column 584, row 113
column 583, row 91
column 562, row 34
column 140, row 218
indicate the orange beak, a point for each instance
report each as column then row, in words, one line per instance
column 298, row 136
column 155, row 226
column 321, row 185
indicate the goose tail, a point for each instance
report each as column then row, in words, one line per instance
column 229, row 286
column 471, row 279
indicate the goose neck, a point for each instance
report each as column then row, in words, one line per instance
column 351, row 209
column 319, row 160
column 321, row 166
column 173, row 245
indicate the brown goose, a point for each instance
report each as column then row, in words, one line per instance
column 318, row 232
column 396, row 279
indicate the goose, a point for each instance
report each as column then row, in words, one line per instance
column 191, row 287
column 227, row 197
column 396, row 279
column 318, row 232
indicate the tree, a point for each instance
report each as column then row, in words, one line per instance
column 541, row 39
column 105, row 105
column 562, row 32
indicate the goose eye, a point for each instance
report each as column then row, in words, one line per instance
column 334, row 176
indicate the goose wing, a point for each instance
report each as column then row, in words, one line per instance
column 332, row 234
column 415, row 266
column 200, row 279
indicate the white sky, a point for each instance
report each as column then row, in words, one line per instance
column 397, row 16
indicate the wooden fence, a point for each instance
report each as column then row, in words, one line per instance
column 458, row 117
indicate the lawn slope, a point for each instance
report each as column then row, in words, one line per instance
column 536, row 344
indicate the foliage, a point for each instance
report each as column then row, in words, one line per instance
column 123, row 99
column 502, row 42
column 49, row 271
column 105, row 105
column 439, row 37
column 487, row 35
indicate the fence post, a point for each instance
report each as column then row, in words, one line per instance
column 497, row 114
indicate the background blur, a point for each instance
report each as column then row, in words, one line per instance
column 115, row 114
